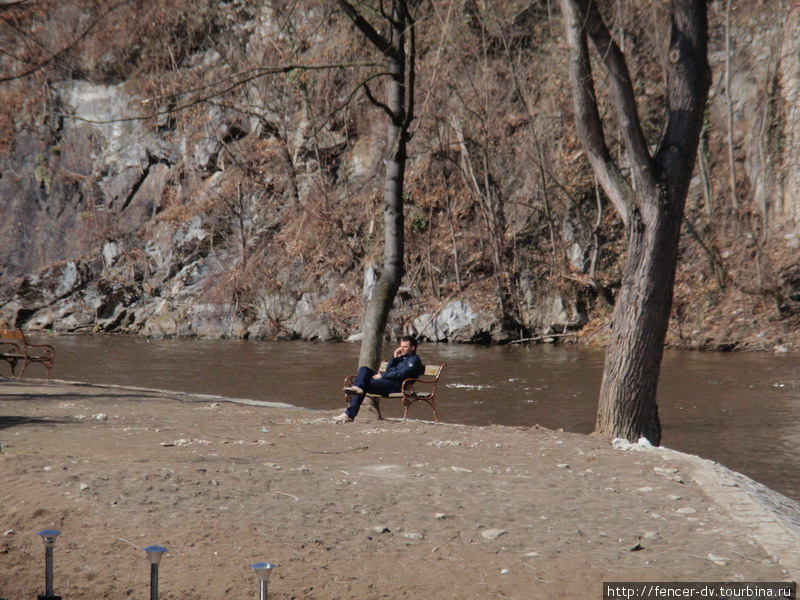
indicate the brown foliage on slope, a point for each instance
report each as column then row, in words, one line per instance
column 282, row 165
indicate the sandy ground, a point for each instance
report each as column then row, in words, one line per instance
column 368, row 510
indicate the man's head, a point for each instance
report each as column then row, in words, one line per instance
column 408, row 344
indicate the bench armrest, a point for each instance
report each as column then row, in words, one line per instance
column 47, row 350
column 409, row 383
column 407, row 386
column 12, row 348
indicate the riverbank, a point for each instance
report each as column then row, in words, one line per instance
column 372, row 509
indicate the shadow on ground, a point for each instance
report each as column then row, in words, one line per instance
column 6, row 422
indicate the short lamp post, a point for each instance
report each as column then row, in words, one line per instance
column 49, row 538
column 154, row 553
column 263, row 570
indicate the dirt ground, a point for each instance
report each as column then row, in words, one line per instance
column 367, row 510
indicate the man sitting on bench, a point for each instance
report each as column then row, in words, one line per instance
column 405, row 364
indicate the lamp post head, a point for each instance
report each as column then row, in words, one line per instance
column 49, row 537
column 263, row 570
column 154, row 553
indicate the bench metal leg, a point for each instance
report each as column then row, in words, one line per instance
column 376, row 404
column 435, row 414
column 13, row 364
column 431, row 403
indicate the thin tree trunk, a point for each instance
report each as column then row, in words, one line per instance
column 380, row 303
column 705, row 176
column 729, row 100
column 453, row 241
column 492, row 211
column 399, row 107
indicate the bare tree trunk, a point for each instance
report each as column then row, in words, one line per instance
column 490, row 203
column 627, row 406
column 453, row 240
column 399, row 52
column 705, row 176
column 380, row 303
column 729, row 100
column 652, row 211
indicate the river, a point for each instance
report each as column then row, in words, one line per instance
column 742, row 410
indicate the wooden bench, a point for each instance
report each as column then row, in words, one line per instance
column 14, row 348
column 428, row 382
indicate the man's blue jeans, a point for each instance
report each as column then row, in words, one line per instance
column 365, row 381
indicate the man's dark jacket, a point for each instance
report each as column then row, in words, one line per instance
column 404, row 367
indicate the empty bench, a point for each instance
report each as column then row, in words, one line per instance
column 15, row 349
column 418, row 389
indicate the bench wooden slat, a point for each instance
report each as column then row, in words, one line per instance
column 397, row 395
column 430, row 370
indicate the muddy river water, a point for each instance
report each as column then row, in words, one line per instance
column 742, row 410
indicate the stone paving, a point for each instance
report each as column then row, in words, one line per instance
column 772, row 519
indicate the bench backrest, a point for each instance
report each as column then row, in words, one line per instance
column 433, row 370
column 12, row 334
column 430, row 370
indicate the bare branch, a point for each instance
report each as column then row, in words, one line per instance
column 261, row 72
column 253, row 73
column 67, row 48
column 620, row 80
column 378, row 103
column 435, row 69
column 380, row 42
column 6, row 4
column 587, row 115
column 411, row 71
column 689, row 80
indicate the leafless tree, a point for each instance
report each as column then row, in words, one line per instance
column 398, row 50
column 650, row 203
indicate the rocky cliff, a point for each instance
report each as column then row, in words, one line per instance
column 213, row 169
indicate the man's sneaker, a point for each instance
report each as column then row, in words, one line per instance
column 343, row 418
column 353, row 389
